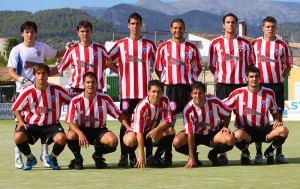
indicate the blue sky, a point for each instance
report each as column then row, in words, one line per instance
column 36, row 5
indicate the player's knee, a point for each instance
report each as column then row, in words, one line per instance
column 130, row 140
column 283, row 131
column 171, row 131
column 60, row 138
column 72, row 135
column 20, row 137
column 178, row 141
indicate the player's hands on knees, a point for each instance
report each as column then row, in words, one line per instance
column 277, row 124
column 191, row 163
column 20, row 125
column 83, row 141
column 225, row 129
column 152, row 133
column 25, row 82
column 71, row 43
column 140, row 163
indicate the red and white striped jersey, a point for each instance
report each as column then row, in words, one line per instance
column 178, row 63
column 147, row 116
column 84, row 59
column 252, row 109
column 24, row 58
column 135, row 58
column 204, row 120
column 272, row 58
column 230, row 57
column 41, row 107
column 91, row 113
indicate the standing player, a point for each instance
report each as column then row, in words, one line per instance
column 21, row 60
column 273, row 58
column 253, row 105
column 133, row 57
column 151, row 124
column 229, row 57
column 86, row 117
column 84, row 57
column 202, row 117
column 178, row 64
column 41, row 104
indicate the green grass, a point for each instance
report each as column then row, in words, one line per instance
column 232, row 176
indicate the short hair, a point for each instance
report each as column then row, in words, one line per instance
column 157, row 83
column 41, row 66
column 28, row 25
column 178, row 20
column 198, row 85
column 84, row 24
column 91, row 75
column 136, row 16
column 232, row 15
column 269, row 19
column 252, row 69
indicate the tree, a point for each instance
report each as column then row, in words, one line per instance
column 10, row 43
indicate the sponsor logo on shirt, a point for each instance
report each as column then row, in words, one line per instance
column 228, row 57
column 132, row 59
column 174, row 61
column 86, row 118
column 43, row 110
column 38, row 52
column 263, row 58
column 250, row 111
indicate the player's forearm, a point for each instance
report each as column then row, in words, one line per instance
column 60, row 53
column 13, row 74
column 163, row 126
column 53, row 71
column 140, row 140
column 18, row 116
column 212, row 69
column 226, row 121
column 73, row 127
column 191, row 144
column 158, row 73
column 286, row 72
column 113, row 67
column 124, row 122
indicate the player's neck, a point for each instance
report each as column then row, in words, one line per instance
column 272, row 38
column 85, row 43
column 178, row 40
column 135, row 37
column 89, row 96
column 255, row 89
column 28, row 44
column 41, row 86
column 229, row 35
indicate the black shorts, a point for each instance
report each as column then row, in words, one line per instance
column 35, row 132
column 94, row 134
column 223, row 90
column 205, row 139
column 278, row 89
column 258, row 134
column 128, row 105
column 179, row 95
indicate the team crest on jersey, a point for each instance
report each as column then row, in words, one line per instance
column 187, row 55
column 53, row 98
column 96, row 55
column 100, row 109
column 240, row 48
column 263, row 103
column 211, row 114
column 144, row 50
column 276, row 51
column 173, row 105
column 125, row 105
column 160, row 110
column 38, row 52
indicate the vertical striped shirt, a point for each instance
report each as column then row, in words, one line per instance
column 91, row 113
column 84, row 59
column 178, row 63
column 41, row 107
column 147, row 116
column 272, row 58
column 135, row 58
column 204, row 120
column 230, row 58
column 252, row 109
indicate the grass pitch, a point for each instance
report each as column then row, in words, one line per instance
column 231, row 176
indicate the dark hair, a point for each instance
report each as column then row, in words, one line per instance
column 89, row 74
column 157, row 83
column 41, row 66
column 84, row 24
column 198, row 85
column 252, row 69
column 232, row 15
column 29, row 25
column 136, row 16
column 269, row 19
column 178, row 20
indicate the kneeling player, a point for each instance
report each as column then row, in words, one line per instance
column 86, row 117
column 151, row 126
column 202, row 117
column 41, row 104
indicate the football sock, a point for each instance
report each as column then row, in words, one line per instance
column 57, row 149
column 101, row 149
column 122, row 133
column 222, row 148
column 130, row 150
column 183, row 149
column 258, row 147
column 243, row 145
column 149, row 151
column 24, row 148
column 164, row 144
column 75, row 148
